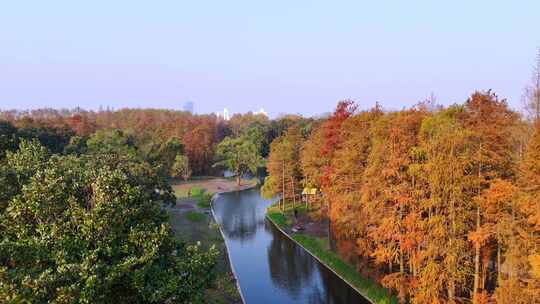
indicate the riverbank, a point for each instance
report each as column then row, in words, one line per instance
column 317, row 245
column 193, row 221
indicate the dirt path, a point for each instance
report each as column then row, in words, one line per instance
column 211, row 185
column 311, row 227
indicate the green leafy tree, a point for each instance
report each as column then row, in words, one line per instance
column 55, row 139
column 239, row 155
column 111, row 141
column 181, row 167
column 257, row 134
column 8, row 138
column 90, row 229
column 161, row 154
column 18, row 168
column 77, row 146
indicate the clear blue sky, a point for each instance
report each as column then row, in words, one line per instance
column 284, row 56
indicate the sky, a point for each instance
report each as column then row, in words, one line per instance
column 284, row 56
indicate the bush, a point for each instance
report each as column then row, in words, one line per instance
column 196, row 191
column 203, row 201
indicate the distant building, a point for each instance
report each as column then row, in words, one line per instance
column 261, row 112
column 225, row 115
column 189, row 106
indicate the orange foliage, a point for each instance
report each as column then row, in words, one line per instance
column 431, row 196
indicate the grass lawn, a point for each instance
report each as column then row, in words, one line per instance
column 279, row 219
column 195, row 216
column 197, row 226
column 318, row 247
column 188, row 191
column 192, row 222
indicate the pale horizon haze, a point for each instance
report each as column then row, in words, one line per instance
column 283, row 56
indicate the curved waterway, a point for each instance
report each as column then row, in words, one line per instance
column 269, row 266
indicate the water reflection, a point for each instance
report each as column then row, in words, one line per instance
column 290, row 266
column 239, row 219
column 270, row 267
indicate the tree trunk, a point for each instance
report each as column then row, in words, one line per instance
column 238, row 179
column 401, row 262
column 484, row 273
column 498, row 261
column 402, row 276
column 293, row 192
column 452, row 282
column 283, row 184
column 451, row 291
column 477, row 244
column 329, row 226
column 476, row 260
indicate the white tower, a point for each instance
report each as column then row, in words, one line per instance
column 261, row 112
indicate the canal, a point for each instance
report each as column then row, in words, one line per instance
column 269, row 266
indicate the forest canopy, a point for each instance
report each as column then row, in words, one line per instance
column 439, row 204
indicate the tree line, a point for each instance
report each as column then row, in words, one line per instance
column 440, row 204
column 81, row 196
column 155, row 135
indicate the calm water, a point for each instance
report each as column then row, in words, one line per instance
column 270, row 267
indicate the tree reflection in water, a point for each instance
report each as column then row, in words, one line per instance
column 297, row 272
column 290, row 267
column 238, row 218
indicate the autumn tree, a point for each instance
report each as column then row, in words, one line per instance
column 520, row 270
column 330, row 142
column 283, row 166
column 310, row 159
column 82, row 125
column 443, row 209
column 331, row 136
column 348, row 215
column 199, row 146
column 490, row 119
column 388, row 191
column 431, row 199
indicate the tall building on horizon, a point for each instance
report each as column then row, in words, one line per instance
column 225, row 115
column 189, row 106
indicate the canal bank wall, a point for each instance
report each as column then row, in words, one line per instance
column 320, row 261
